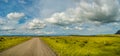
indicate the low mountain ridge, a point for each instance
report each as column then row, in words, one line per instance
column 118, row 32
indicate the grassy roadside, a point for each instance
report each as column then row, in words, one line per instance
column 84, row 46
column 7, row 42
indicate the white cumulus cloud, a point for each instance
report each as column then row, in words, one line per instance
column 2, row 21
column 78, row 28
column 95, row 11
column 15, row 15
column 6, row 28
column 35, row 24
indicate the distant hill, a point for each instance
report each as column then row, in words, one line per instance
column 118, row 32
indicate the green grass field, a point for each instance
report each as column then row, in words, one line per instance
column 84, row 45
column 7, row 42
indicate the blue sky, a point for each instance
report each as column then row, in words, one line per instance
column 59, row 17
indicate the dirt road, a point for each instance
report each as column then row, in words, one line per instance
column 33, row 47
